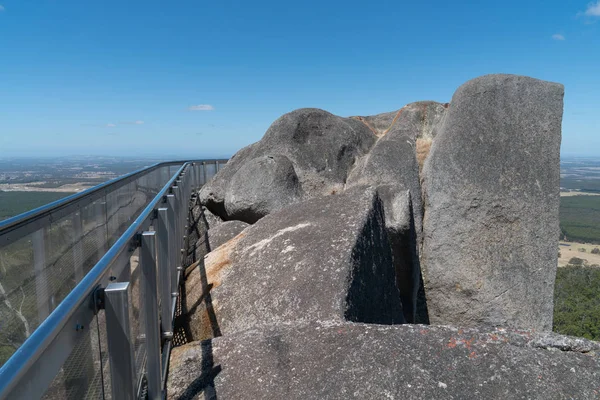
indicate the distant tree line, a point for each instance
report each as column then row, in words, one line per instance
column 577, row 301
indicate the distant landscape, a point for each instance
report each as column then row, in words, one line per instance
column 577, row 289
column 28, row 183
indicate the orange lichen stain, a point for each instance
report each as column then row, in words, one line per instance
column 472, row 355
column 460, row 331
column 423, row 331
column 493, row 336
column 468, row 343
column 219, row 259
column 394, row 121
column 422, row 151
column 451, row 343
column 364, row 121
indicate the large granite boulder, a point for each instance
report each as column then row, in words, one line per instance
column 265, row 184
column 325, row 259
column 321, row 147
column 343, row 361
column 212, row 194
column 491, row 185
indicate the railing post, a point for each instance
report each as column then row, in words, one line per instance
column 164, row 270
column 172, row 243
column 193, row 175
column 204, row 172
column 177, row 191
column 150, row 309
column 120, row 343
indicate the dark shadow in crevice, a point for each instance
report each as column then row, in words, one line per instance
column 414, row 302
column 205, row 382
column 373, row 297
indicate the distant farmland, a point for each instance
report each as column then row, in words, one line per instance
column 580, row 218
column 15, row 203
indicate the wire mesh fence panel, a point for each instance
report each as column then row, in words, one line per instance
column 94, row 239
column 60, row 268
column 117, row 202
column 173, row 169
column 211, row 170
column 81, row 375
column 38, row 270
column 18, row 306
column 102, row 336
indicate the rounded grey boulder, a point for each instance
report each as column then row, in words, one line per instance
column 321, row 147
column 264, row 185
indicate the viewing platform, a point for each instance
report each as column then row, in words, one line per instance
column 90, row 286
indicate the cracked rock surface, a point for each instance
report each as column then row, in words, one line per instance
column 341, row 361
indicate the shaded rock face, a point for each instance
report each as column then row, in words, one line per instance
column 325, row 259
column 200, row 221
column 392, row 166
column 344, row 361
column 491, row 185
column 321, row 149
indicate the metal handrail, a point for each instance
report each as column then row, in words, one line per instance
column 32, row 220
column 56, row 336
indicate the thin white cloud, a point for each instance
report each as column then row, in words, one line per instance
column 201, row 107
column 110, row 125
column 1, row 8
column 593, row 9
column 138, row 122
column 558, row 36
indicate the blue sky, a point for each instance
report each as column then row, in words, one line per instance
column 201, row 79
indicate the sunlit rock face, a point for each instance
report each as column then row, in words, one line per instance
column 491, row 185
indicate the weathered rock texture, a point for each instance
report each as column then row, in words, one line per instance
column 344, row 361
column 224, row 232
column 311, row 153
column 392, row 166
column 346, row 213
column 325, row 259
column 491, row 205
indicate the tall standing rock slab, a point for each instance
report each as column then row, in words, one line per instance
column 491, row 186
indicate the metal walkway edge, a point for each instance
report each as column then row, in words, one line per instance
column 88, row 284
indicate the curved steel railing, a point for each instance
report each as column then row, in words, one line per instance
column 114, row 252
